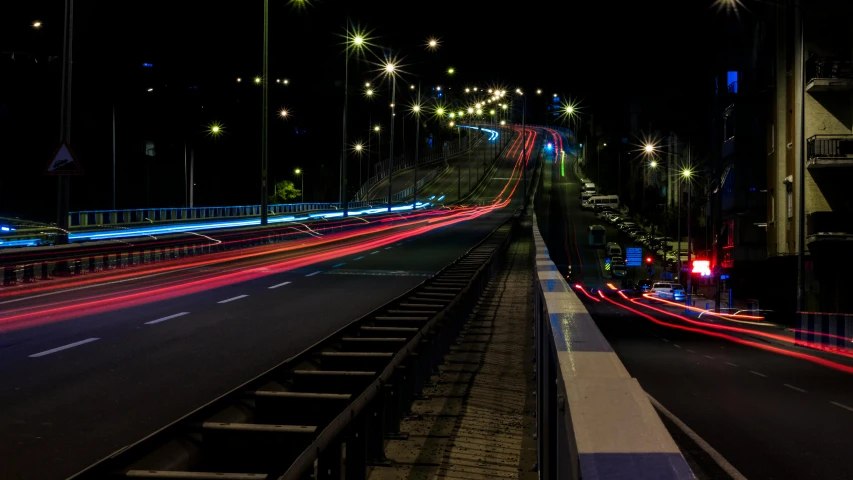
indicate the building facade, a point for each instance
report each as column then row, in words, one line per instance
column 809, row 140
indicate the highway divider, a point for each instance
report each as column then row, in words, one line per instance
column 594, row 420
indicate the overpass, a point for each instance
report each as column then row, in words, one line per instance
column 183, row 358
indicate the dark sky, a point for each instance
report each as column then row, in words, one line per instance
column 598, row 52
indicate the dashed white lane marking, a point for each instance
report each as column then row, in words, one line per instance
column 358, row 258
column 730, row 363
column 339, row 265
column 845, row 407
column 374, row 253
column 238, row 297
column 676, row 345
column 314, row 273
column 708, row 356
column 795, row 388
column 152, row 322
column 388, row 248
column 665, row 340
column 279, row 285
column 688, row 350
column 757, row 373
column 64, row 347
column 714, row 454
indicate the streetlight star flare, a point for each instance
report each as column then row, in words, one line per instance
column 432, row 43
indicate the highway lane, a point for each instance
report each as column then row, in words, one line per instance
column 76, row 390
column 771, row 415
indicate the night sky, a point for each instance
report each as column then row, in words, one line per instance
column 600, row 53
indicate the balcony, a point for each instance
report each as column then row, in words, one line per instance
column 825, row 151
column 829, row 228
column 824, row 74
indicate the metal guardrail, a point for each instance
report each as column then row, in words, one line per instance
column 345, row 394
column 130, row 216
column 592, row 416
column 403, row 164
column 830, row 150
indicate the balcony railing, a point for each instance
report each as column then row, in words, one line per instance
column 830, row 151
column 827, row 228
column 826, row 74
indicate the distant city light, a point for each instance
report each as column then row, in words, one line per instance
column 36, row 24
column 147, row 65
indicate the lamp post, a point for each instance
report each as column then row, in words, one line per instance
column 390, row 69
column 264, row 114
column 523, row 144
column 299, row 173
column 687, row 174
column 416, row 111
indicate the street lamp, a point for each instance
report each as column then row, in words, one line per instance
column 298, row 172
column 416, row 112
column 355, row 42
column 687, row 173
column 390, row 69
column 432, row 43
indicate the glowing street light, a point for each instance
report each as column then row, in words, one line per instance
column 653, row 164
column 298, row 172
column 649, row 148
column 538, row 91
column 283, row 113
column 257, row 80
column 467, row 90
column 687, row 173
column 368, row 92
column 451, row 71
column 36, row 24
column 518, row 91
column 214, row 129
column 239, row 79
column 432, row 44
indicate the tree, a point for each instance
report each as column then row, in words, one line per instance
column 284, row 191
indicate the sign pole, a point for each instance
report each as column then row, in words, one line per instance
column 64, row 181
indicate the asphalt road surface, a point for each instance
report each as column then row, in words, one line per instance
column 770, row 415
column 74, row 390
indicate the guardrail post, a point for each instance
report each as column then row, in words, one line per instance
column 29, row 273
column 9, row 276
column 394, row 409
column 44, row 273
column 356, row 444
column 92, row 265
column 78, row 267
column 331, row 461
column 376, row 431
column 142, row 259
column 105, row 262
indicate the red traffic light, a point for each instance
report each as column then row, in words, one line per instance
column 649, row 260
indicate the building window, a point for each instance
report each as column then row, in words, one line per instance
column 772, row 148
column 789, row 202
column 772, row 206
column 731, row 81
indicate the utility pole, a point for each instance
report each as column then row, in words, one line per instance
column 64, row 181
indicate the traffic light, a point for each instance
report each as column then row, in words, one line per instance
column 649, row 260
column 650, row 265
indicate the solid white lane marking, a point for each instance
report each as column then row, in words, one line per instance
column 708, row 356
column 756, row 373
column 845, row 407
column 374, row 253
column 64, row 347
column 314, row 273
column 279, row 285
column 152, row 322
column 238, row 297
column 795, row 388
column 730, row 363
column 714, row 454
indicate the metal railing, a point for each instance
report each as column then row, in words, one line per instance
column 830, row 150
column 827, row 67
column 131, row 216
column 404, row 163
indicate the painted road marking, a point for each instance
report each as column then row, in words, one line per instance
column 357, row 258
column 708, row 356
column 64, row 347
column 374, row 253
column 238, row 297
column 388, row 248
column 676, row 345
column 152, row 322
column 845, row 407
column 339, row 265
column 279, row 285
column 688, row 350
column 730, row 363
column 756, row 373
column 399, row 244
column 314, row 273
column 794, row 388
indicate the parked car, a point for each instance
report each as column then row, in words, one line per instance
column 670, row 291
